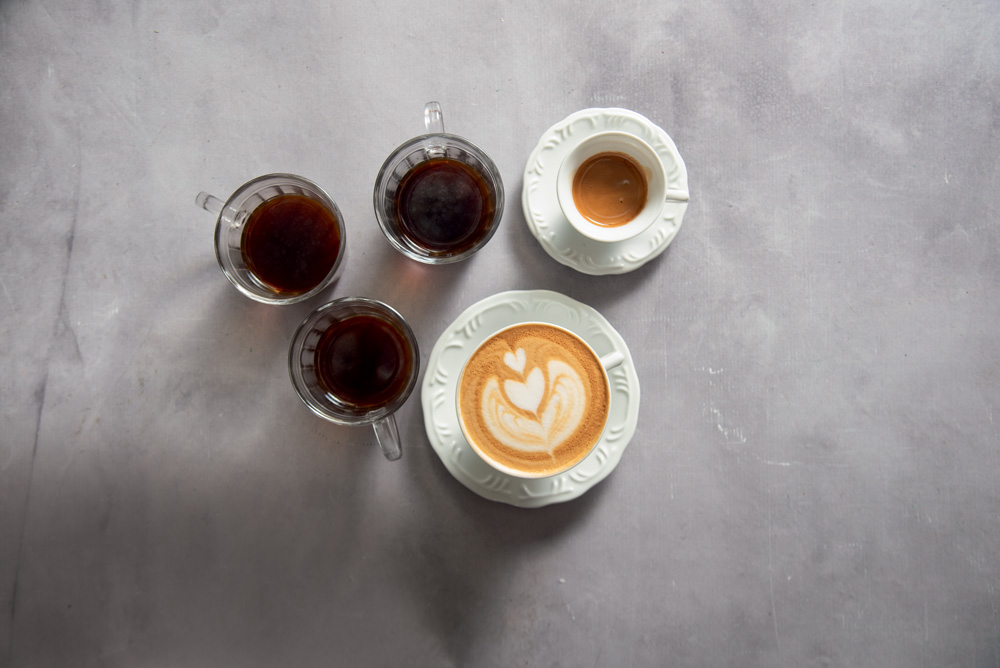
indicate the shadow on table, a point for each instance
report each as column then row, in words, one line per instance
column 469, row 548
column 538, row 270
column 414, row 287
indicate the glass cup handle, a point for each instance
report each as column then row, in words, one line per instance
column 433, row 118
column 611, row 360
column 388, row 438
column 209, row 203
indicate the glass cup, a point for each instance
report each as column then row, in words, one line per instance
column 438, row 197
column 354, row 361
column 231, row 239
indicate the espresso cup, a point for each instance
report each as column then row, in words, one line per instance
column 533, row 399
column 354, row 361
column 612, row 186
column 279, row 238
column 438, row 198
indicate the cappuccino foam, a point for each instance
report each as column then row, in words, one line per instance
column 533, row 398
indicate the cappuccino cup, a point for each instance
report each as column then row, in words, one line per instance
column 533, row 399
column 612, row 186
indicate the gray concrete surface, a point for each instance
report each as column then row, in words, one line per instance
column 815, row 477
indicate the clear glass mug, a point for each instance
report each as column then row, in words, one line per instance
column 231, row 239
column 438, row 198
column 354, row 361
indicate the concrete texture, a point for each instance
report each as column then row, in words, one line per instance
column 815, row 477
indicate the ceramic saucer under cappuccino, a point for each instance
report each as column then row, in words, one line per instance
column 465, row 335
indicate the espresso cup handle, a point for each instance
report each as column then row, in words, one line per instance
column 433, row 118
column 611, row 360
column 209, row 202
column 388, row 438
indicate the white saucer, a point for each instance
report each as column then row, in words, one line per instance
column 448, row 357
column 546, row 220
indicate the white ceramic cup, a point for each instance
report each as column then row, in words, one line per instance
column 604, row 364
column 652, row 169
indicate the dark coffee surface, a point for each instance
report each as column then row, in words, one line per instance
column 443, row 205
column 363, row 360
column 291, row 243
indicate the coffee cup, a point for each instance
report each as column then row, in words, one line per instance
column 354, row 361
column 533, row 399
column 612, row 186
column 279, row 238
column 438, row 198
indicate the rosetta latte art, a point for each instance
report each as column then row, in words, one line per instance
column 533, row 399
column 537, row 410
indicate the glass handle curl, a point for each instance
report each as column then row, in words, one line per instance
column 387, row 434
column 209, row 203
column 433, row 118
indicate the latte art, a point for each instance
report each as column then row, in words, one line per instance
column 533, row 398
column 546, row 425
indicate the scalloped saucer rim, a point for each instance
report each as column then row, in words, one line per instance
column 549, row 226
column 448, row 357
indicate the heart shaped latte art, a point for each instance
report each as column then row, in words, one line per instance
column 511, row 412
column 516, row 361
column 529, row 394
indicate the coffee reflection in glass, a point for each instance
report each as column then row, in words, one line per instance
column 354, row 361
column 438, row 198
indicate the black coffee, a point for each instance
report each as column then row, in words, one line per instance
column 364, row 361
column 444, row 205
column 291, row 242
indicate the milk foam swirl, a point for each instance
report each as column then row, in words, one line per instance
column 536, row 410
column 533, row 399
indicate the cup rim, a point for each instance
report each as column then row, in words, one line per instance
column 634, row 227
column 278, row 299
column 295, row 368
column 497, row 466
column 493, row 175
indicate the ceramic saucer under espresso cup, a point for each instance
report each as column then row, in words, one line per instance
column 579, row 249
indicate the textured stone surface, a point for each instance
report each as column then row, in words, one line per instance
column 815, row 477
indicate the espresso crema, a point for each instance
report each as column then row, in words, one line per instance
column 610, row 188
column 533, row 398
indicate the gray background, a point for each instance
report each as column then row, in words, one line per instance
column 815, row 477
